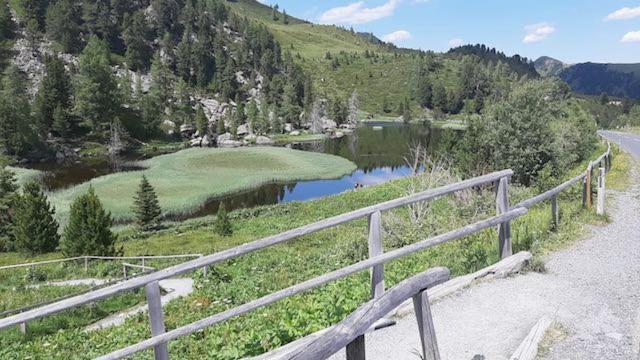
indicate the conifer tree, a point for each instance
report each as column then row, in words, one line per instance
column 8, row 195
column 55, row 91
column 201, row 121
column 241, row 117
column 137, row 38
column 233, row 125
column 285, row 17
column 16, row 123
column 222, row 225
column 220, row 126
column 34, row 228
column 253, row 114
column 146, row 206
column 96, row 89
column 63, row 24
column 89, row 228
column 62, row 122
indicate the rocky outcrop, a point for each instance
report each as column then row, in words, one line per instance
column 264, row 141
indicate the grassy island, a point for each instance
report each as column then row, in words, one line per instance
column 185, row 180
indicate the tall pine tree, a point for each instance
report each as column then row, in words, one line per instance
column 8, row 196
column 96, row 88
column 55, row 91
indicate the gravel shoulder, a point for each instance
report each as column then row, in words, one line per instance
column 591, row 288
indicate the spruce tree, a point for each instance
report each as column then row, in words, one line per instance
column 16, row 123
column 63, row 24
column 62, row 122
column 34, row 228
column 241, row 117
column 201, row 121
column 55, row 91
column 253, row 114
column 146, row 206
column 89, row 228
column 96, row 89
column 222, row 225
column 137, row 37
column 221, row 128
column 8, row 195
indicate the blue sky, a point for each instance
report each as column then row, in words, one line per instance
column 569, row 30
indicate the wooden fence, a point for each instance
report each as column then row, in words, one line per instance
column 375, row 263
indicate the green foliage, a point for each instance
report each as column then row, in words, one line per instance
column 63, row 24
column 533, row 125
column 202, row 123
column 222, row 225
column 96, row 89
column 8, row 195
column 55, row 91
column 7, row 26
column 137, row 38
column 17, row 133
column 146, row 207
column 89, row 229
column 34, row 228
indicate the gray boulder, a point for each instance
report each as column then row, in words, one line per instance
column 263, row 140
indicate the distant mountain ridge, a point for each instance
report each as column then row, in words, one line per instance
column 621, row 80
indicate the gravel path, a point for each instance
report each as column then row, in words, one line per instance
column 591, row 288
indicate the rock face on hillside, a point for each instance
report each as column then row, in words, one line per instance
column 547, row 66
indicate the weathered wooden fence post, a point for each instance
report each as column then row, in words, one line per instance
column 555, row 215
column 86, row 264
column 376, row 249
column 124, row 270
column 587, row 187
column 504, row 229
column 23, row 328
column 601, row 191
column 152, row 291
column 356, row 349
column 425, row 326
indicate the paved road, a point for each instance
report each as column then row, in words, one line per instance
column 629, row 142
column 592, row 288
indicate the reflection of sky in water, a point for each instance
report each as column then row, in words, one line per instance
column 306, row 190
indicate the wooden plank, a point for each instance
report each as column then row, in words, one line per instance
column 425, row 326
column 23, row 328
column 40, row 263
column 355, row 324
column 528, row 349
column 549, row 194
column 376, row 249
column 504, row 229
column 309, row 284
column 356, row 349
column 249, row 247
column 156, row 319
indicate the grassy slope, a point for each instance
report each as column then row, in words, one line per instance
column 390, row 77
column 186, row 179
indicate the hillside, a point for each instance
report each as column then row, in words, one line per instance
column 547, row 66
column 620, row 80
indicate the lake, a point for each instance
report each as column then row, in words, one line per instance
column 378, row 150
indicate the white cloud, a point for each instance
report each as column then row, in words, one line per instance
column 633, row 36
column 537, row 32
column 357, row 13
column 397, row 36
column 456, row 42
column 625, row 13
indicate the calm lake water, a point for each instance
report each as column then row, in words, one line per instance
column 378, row 150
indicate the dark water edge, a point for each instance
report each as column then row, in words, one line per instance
column 379, row 151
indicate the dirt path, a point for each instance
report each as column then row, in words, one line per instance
column 591, row 288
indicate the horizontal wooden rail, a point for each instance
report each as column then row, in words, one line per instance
column 149, row 257
column 244, row 249
column 309, row 284
column 356, row 324
column 551, row 193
